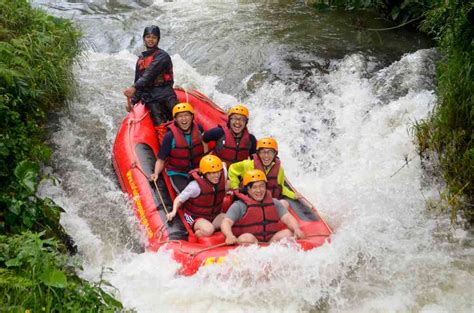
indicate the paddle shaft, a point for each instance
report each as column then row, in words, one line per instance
column 161, row 197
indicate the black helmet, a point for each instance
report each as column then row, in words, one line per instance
column 153, row 29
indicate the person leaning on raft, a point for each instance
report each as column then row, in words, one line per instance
column 182, row 147
column 266, row 159
column 154, row 79
column 203, row 197
column 255, row 215
column 234, row 143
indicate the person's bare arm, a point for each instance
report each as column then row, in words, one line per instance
column 226, row 228
column 293, row 225
column 158, row 168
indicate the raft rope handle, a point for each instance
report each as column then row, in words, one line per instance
column 201, row 97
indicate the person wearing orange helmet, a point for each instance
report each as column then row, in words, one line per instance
column 182, row 147
column 255, row 216
column 233, row 141
column 203, row 197
column 154, row 78
column 266, row 159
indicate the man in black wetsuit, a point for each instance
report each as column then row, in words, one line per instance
column 154, row 79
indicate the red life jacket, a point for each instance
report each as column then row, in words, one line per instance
column 164, row 78
column 209, row 202
column 184, row 157
column 272, row 175
column 261, row 218
column 232, row 152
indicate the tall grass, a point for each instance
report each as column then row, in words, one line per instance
column 449, row 132
column 37, row 52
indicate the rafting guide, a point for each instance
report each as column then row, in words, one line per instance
column 153, row 79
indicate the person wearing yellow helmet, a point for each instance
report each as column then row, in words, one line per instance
column 182, row 147
column 266, row 159
column 203, row 197
column 233, row 142
column 154, row 78
column 255, row 216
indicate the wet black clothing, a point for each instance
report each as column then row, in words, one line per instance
column 159, row 98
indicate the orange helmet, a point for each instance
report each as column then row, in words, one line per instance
column 209, row 164
column 239, row 109
column 182, row 107
column 267, row 143
column 253, row 176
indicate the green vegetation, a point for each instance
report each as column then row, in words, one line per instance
column 401, row 11
column 36, row 58
column 38, row 278
column 449, row 131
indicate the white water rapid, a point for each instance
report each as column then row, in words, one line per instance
column 345, row 142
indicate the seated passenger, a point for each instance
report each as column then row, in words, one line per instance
column 266, row 160
column 233, row 142
column 255, row 215
column 203, row 197
column 182, row 147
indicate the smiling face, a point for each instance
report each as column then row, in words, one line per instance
column 150, row 41
column 237, row 123
column 257, row 190
column 266, row 155
column 214, row 177
column 184, row 120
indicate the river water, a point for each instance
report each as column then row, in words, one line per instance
column 341, row 103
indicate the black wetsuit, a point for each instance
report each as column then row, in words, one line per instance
column 157, row 93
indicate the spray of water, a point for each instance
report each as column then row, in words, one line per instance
column 344, row 142
column 346, row 145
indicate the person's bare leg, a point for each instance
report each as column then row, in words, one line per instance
column 247, row 239
column 203, row 228
column 285, row 233
column 217, row 221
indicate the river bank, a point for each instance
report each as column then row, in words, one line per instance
column 36, row 271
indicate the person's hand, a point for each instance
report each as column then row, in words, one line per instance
column 170, row 216
column 298, row 195
column 299, row 234
column 129, row 92
column 230, row 240
column 154, row 177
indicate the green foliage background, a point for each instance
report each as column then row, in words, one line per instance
column 449, row 132
column 37, row 52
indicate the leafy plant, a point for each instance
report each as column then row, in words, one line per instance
column 35, row 277
column 37, row 52
column 449, row 131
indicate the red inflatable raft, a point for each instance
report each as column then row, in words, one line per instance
column 134, row 155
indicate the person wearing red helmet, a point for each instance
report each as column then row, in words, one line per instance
column 256, row 215
column 233, row 141
column 154, row 78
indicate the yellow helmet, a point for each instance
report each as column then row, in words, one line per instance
column 268, row 143
column 182, row 107
column 253, row 176
column 209, row 164
column 239, row 109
